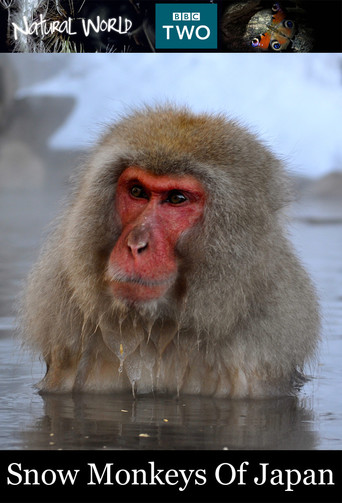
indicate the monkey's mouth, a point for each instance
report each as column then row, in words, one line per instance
column 137, row 289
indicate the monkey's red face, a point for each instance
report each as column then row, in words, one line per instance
column 154, row 212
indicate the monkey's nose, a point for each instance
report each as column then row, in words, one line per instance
column 138, row 248
column 137, row 241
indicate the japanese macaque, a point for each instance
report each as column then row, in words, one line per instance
column 169, row 270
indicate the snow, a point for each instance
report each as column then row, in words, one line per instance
column 293, row 101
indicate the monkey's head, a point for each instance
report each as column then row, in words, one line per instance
column 175, row 200
column 170, row 270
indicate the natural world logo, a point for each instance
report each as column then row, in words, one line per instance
column 43, row 27
column 186, row 26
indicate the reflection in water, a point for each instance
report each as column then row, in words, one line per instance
column 120, row 421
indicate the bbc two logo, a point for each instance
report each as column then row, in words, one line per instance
column 186, row 26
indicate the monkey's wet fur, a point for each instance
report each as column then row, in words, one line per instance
column 169, row 270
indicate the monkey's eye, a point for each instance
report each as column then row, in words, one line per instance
column 176, row 197
column 138, row 191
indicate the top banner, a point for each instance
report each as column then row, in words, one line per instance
column 86, row 26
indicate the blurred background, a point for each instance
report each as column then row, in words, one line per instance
column 52, row 109
column 57, row 103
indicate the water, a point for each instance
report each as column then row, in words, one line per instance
column 312, row 420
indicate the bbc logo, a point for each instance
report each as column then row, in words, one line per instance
column 186, row 26
column 186, row 16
